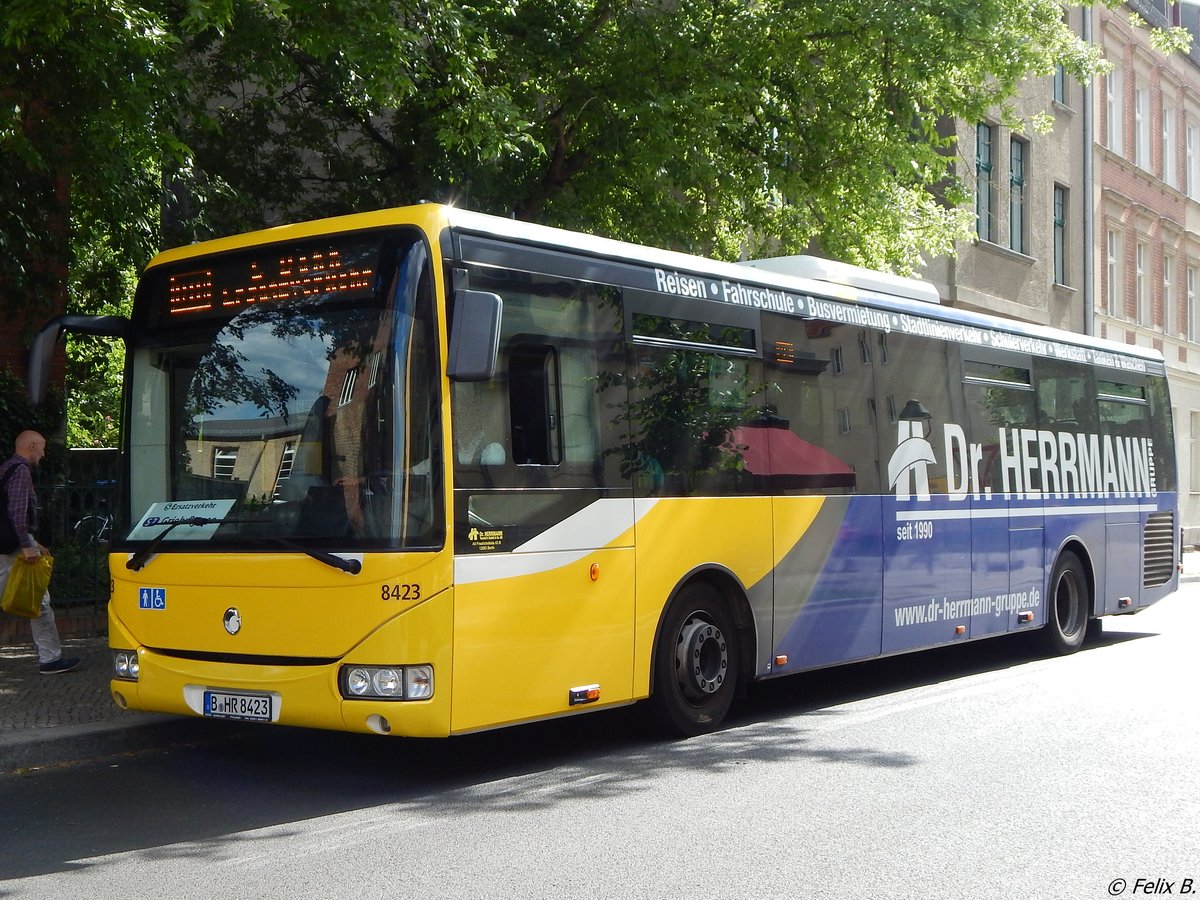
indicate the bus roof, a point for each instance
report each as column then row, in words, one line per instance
column 886, row 291
column 834, row 280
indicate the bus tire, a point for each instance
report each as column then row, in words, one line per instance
column 696, row 663
column 1068, row 606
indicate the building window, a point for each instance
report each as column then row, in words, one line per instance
column 985, row 183
column 1141, row 127
column 224, row 459
column 1194, row 443
column 864, row 348
column 1170, row 176
column 872, row 412
column 1113, row 268
column 1060, row 234
column 839, row 365
column 348, row 387
column 1190, row 329
column 1113, row 113
column 883, row 349
column 1141, row 257
column 286, row 460
column 892, row 414
column 1192, row 168
column 844, row 421
column 1060, row 72
column 1168, row 295
column 1018, row 157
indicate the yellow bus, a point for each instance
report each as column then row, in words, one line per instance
column 424, row 472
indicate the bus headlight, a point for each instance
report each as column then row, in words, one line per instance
column 418, row 682
column 126, row 665
column 386, row 682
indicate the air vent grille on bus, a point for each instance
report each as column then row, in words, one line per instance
column 1159, row 544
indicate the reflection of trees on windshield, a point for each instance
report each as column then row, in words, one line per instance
column 290, row 408
column 240, row 373
column 274, row 411
column 223, row 378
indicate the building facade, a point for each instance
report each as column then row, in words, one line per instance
column 1147, row 213
column 1030, row 208
column 1095, row 225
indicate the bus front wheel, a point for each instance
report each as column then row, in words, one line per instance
column 1069, row 604
column 695, row 663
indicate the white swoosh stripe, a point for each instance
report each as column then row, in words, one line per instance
column 596, row 525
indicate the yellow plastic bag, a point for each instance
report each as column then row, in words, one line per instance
column 27, row 583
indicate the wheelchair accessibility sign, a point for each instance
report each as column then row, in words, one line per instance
column 152, row 598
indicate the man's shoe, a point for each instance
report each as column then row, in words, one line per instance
column 59, row 666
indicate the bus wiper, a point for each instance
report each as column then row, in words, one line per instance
column 350, row 566
column 139, row 559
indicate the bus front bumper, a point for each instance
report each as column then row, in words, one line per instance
column 304, row 695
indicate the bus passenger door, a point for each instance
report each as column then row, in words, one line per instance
column 543, row 517
column 823, row 469
column 1000, row 470
column 926, row 527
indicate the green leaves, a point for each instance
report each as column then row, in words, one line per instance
column 718, row 126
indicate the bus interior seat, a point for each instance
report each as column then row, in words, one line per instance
column 493, row 455
column 323, row 513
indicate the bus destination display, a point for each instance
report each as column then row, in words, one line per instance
column 225, row 285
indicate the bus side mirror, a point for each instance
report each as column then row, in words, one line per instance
column 475, row 336
column 41, row 354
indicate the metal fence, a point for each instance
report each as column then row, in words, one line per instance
column 74, row 521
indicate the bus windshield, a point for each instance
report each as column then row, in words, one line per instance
column 305, row 415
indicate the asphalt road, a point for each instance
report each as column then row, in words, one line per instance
column 973, row 772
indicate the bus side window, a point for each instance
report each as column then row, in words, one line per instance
column 480, row 430
column 534, row 406
column 1066, row 395
column 1124, row 409
column 1000, row 402
column 581, row 411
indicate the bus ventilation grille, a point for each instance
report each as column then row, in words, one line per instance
column 1159, row 543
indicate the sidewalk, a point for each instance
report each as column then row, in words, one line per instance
column 51, row 719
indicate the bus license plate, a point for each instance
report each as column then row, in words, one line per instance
column 230, row 705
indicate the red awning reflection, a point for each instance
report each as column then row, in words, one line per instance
column 775, row 451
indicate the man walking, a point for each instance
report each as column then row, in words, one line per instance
column 20, row 513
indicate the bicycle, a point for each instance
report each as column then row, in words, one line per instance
column 93, row 529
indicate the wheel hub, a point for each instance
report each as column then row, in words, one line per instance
column 701, row 658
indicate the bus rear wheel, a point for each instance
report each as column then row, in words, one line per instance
column 696, row 663
column 1069, row 605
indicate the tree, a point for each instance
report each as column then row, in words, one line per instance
column 717, row 126
column 84, row 138
column 321, row 109
column 707, row 125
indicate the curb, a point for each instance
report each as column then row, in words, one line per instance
column 42, row 747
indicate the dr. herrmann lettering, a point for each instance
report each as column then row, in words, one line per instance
column 1038, row 461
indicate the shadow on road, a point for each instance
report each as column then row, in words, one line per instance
column 198, row 798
